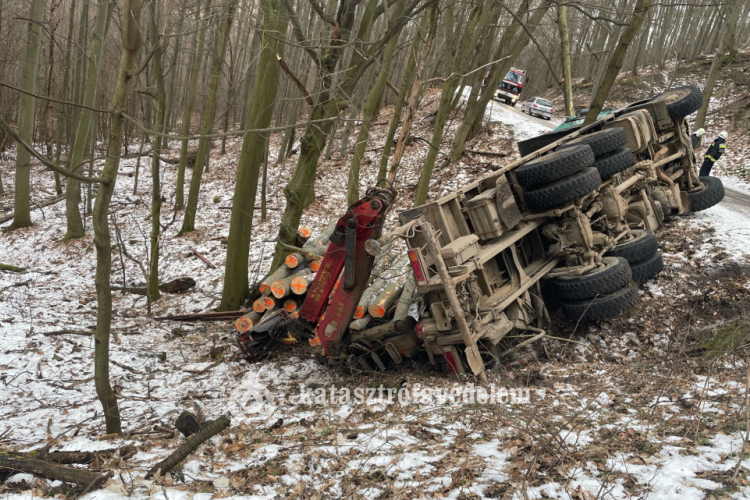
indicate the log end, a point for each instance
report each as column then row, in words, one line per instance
column 278, row 290
column 299, row 285
column 259, row 306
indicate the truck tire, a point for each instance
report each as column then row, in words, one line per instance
column 610, row 277
column 554, row 166
column 647, row 269
column 602, row 143
column 640, row 247
column 681, row 101
column 565, row 190
column 711, row 194
column 614, row 163
column 604, row 306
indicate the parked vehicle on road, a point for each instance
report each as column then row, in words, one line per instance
column 538, row 106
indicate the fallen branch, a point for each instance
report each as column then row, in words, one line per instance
column 204, row 316
column 11, row 463
column 203, row 259
column 192, row 443
column 486, row 153
column 178, row 285
column 8, row 267
column 67, row 332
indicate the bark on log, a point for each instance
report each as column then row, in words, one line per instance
column 386, row 298
column 279, row 274
column 207, row 431
column 11, row 463
column 247, row 321
column 288, row 285
column 361, row 323
column 407, row 294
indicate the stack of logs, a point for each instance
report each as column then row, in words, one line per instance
column 388, row 296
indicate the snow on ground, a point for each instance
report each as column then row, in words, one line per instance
column 624, row 411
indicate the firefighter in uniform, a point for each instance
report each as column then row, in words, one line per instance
column 714, row 152
column 696, row 137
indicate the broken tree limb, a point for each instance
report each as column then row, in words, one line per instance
column 207, row 431
column 178, row 285
column 208, row 263
column 12, row 269
column 12, row 463
column 45, row 203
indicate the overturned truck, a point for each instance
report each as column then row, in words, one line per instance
column 572, row 222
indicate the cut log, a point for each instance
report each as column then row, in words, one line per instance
column 284, row 288
column 207, row 431
column 303, row 234
column 361, row 323
column 259, row 306
column 299, row 284
column 314, row 265
column 385, row 299
column 11, row 463
column 323, row 239
column 405, row 300
column 279, row 274
column 247, row 321
column 290, row 305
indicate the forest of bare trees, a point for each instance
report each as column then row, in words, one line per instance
column 85, row 84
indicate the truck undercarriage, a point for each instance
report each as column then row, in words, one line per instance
column 573, row 221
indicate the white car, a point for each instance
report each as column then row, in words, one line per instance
column 538, row 106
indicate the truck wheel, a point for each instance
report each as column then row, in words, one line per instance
column 639, row 247
column 681, row 101
column 610, row 277
column 563, row 191
column 614, row 163
column 554, row 166
column 604, row 306
column 603, row 142
column 647, row 269
column 711, row 194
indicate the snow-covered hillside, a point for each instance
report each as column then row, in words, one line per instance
column 622, row 408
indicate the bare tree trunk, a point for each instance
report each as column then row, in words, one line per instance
column 131, row 42
column 204, row 145
column 26, row 114
column 187, row 112
column 403, row 92
column 93, row 71
column 475, row 111
column 373, row 98
column 161, row 102
column 63, row 120
column 253, row 154
column 615, row 63
column 567, row 84
column 723, row 55
column 48, row 107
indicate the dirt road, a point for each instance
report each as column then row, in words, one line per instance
column 737, row 200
